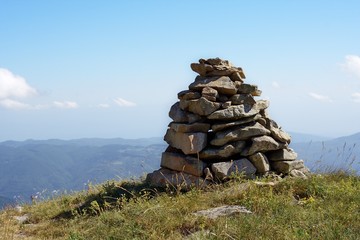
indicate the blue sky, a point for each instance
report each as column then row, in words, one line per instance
column 72, row 69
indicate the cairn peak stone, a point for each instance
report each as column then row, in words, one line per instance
column 237, row 134
column 222, row 84
column 239, row 111
column 216, row 67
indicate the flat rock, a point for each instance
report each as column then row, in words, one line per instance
column 216, row 67
column 209, row 93
column 201, row 106
column 260, row 162
column 188, row 128
column 239, row 111
column 286, row 154
column 189, row 143
column 223, row 125
column 181, row 116
column 227, row 210
column 297, row 174
column 166, row 178
column 249, row 89
column 222, row 84
column 224, row 170
column 211, row 153
column 238, row 99
column 277, row 133
column 182, row 163
column 188, row 95
column 264, row 144
column 237, row 134
column 287, row 166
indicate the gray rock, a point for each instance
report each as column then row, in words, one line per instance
column 210, row 94
column 182, row 163
column 260, row 161
column 297, row 174
column 189, row 143
column 247, row 88
column 239, row 111
column 238, row 99
column 277, row 133
column 222, row 152
column 236, row 77
column 222, row 84
column 226, row 104
column 264, row 144
column 166, row 178
column 220, row 126
column 223, row 170
column 286, row 154
column 287, row 166
column 181, row 116
column 188, row 128
column 188, row 95
column 201, row 106
column 226, row 210
column 237, row 134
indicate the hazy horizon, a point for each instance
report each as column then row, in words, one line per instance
column 88, row 69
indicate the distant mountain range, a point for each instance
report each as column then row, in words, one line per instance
column 40, row 167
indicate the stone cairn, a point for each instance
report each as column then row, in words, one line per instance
column 219, row 129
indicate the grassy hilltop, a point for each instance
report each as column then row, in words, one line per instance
column 321, row 207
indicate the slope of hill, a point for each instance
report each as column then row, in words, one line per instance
column 33, row 167
column 320, row 207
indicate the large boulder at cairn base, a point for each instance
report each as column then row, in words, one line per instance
column 224, row 170
column 287, row 166
column 189, row 143
column 182, row 163
column 166, row 178
column 261, row 162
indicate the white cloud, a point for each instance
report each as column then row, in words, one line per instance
column 103, row 105
column 12, row 104
column 124, row 103
column 352, row 65
column 275, row 84
column 12, row 85
column 356, row 97
column 320, row 97
column 66, row 104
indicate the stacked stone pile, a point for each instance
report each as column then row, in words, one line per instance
column 219, row 128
